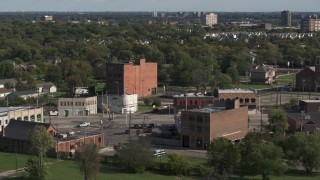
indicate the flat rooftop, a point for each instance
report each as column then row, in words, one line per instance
column 8, row 109
column 77, row 135
column 311, row 101
column 207, row 110
column 192, row 96
column 236, row 91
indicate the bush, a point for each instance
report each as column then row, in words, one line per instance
column 156, row 102
column 146, row 101
column 63, row 155
column 178, row 164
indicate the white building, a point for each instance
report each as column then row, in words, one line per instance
column 122, row 103
column 77, row 106
column 209, row 19
column 20, row 113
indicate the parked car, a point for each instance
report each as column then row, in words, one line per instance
column 84, row 124
column 159, row 152
column 70, row 133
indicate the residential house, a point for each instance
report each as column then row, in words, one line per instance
column 4, row 92
column 47, row 87
column 12, row 81
column 263, row 75
column 15, row 138
column 24, row 94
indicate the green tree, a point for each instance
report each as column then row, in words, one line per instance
column 260, row 157
column 35, row 170
column 41, row 141
column 303, row 149
column 178, row 164
column 293, row 102
column 278, row 122
column 8, row 85
column 88, row 160
column 223, row 156
column 135, row 156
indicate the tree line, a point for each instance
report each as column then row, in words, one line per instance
column 184, row 56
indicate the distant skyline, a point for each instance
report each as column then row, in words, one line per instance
column 161, row 5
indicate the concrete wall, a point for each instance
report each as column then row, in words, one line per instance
column 78, row 106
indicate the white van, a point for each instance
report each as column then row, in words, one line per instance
column 159, row 152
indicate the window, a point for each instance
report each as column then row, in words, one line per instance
column 241, row 100
column 61, row 103
column 206, row 119
column 191, row 117
column 247, row 100
column 191, row 128
column 6, row 122
column 199, row 119
column 184, row 117
column 199, row 129
column 195, row 102
column 190, row 103
column 253, row 100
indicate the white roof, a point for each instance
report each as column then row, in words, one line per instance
column 236, row 91
column 311, row 101
column 8, row 109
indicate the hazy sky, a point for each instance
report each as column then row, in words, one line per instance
column 159, row 5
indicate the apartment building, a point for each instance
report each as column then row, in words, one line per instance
column 286, row 18
column 209, row 19
column 310, row 23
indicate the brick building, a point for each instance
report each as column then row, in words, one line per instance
column 308, row 79
column 200, row 126
column 309, row 106
column 138, row 77
column 192, row 101
column 307, row 122
column 15, row 138
column 246, row 97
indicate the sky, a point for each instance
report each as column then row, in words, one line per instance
column 161, row 5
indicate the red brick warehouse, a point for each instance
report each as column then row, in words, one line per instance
column 138, row 77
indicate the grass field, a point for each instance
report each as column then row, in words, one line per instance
column 68, row 169
column 8, row 161
column 285, row 78
column 144, row 108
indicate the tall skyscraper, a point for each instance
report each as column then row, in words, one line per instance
column 286, row 18
column 209, row 19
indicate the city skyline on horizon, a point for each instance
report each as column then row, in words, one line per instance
column 160, row 5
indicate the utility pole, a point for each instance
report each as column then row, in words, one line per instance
column 102, row 99
column 277, row 97
column 129, row 125
column 261, row 119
